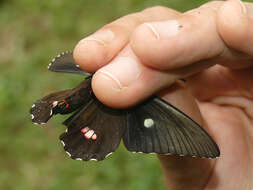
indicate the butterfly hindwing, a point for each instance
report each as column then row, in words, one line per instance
column 107, row 124
column 65, row 63
column 62, row 102
column 157, row 127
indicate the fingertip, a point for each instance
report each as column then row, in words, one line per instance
column 119, row 84
column 111, row 89
column 89, row 55
column 110, row 92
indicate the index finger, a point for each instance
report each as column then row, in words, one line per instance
column 98, row 49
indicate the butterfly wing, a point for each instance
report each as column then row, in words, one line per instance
column 108, row 126
column 65, row 63
column 157, row 127
column 62, row 102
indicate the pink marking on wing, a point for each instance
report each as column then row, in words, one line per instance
column 94, row 137
column 89, row 134
column 84, row 130
column 55, row 103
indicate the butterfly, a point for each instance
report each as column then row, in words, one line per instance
column 94, row 131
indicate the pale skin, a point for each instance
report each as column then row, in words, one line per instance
column 212, row 48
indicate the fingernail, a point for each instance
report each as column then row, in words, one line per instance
column 121, row 72
column 164, row 29
column 102, row 37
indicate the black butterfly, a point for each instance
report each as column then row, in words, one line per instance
column 94, row 131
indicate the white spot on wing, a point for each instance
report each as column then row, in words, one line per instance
column 84, row 130
column 32, row 116
column 33, row 105
column 93, row 159
column 49, row 65
column 78, row 159
column 94, row 137
column 51, row 112
column 63, row 143
column 89, row 134
column 148, row 123
column 108, row 154
column 68, row 154
column 55, row 103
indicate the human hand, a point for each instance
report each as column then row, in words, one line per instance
column 143, row 53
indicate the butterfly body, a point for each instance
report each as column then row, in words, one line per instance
column 94, row 130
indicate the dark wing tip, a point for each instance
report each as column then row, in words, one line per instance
column 59, row 56
column 65, row 63
column 40, row 114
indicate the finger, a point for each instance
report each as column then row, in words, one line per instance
column 98, row 49
column 185, row 172
column 125, row 81
column 235, row 26
column 208, row 32
column 179, row 42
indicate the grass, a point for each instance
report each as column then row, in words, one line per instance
column 32, row 32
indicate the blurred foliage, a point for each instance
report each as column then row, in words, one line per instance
column 32, row 32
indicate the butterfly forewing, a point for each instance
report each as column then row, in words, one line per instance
column 65, row 63
column 107, row 124
column 157, row 127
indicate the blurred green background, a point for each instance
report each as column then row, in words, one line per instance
column 32, row 32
